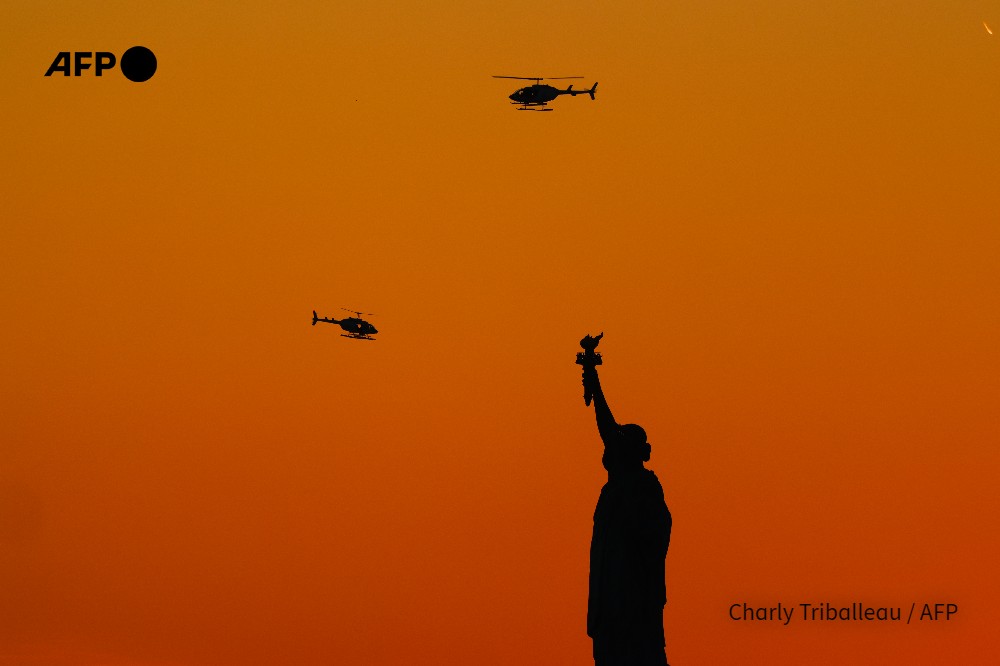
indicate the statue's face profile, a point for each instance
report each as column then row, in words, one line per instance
column 633, row 452
column 635, row 437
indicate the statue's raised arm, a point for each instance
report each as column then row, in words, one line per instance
column 621, row 442
column 592, row 391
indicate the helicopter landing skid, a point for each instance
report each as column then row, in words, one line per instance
column 523, row 108
column 357, row 337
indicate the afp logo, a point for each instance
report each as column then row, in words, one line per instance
column 137, row 64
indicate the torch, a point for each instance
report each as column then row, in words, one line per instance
column 588, row 358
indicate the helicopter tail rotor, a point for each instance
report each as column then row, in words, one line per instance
column 591, row 91
column 315, row 318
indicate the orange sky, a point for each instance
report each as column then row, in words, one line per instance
column 783, row 216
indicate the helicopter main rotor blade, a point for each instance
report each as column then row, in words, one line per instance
column 537, row 78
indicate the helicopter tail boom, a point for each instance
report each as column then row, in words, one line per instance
column 573, row 93
column 327, row 320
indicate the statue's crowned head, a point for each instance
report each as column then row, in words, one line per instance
column 632, row 451
column 635, row 440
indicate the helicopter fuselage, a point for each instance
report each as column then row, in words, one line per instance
column 357, row 326
column 537, row 94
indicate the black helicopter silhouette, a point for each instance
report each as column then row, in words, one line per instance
column 539, row 95
column 356, row 327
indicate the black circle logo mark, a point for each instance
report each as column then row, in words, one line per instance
column 138, row 64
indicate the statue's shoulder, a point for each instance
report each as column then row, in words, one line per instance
column 652, row 482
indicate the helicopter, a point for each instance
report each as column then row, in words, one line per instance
column 356, row 327
column 539, row 95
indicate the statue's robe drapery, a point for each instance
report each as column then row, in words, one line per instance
column 627, row 584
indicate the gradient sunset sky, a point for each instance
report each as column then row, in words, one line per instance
column 783, row 215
